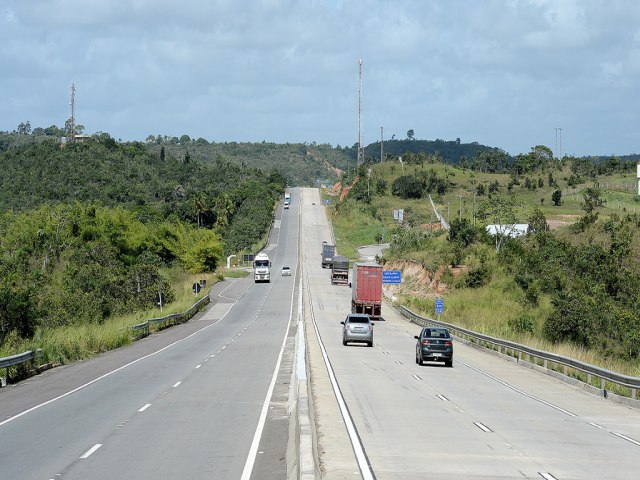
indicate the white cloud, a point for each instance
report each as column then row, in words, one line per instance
column 500, row 72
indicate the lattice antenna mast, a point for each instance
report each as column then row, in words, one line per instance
column 360, row 160
column 72, row 123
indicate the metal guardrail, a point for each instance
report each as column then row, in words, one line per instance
column 19, row 358
column 23, row 357
column 441, row 219
column 162, row 322
column 173, row 319
column 541, row 358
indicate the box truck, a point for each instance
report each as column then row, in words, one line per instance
column 339, row 270
column 328, row 251
column 366, row 294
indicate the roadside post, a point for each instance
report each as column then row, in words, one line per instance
column 439, row 308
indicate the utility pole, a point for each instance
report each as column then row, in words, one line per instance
column 560, row 157
column 381, row 144
column 474, row 208
column 558, row 139
column 460, row 212
column 360, row 160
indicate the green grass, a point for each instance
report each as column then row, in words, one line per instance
column 348, row 239
column 66, row 344
column 494, row 308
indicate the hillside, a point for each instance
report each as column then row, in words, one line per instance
column 567, row 289
column 302, row 164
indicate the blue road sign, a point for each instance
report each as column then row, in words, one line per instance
column 392, row 277
column 439, row 305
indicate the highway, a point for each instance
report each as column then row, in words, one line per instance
column 485, row 418
column 210, row 399
column 203, row 400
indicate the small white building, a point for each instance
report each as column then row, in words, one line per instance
column 509, row 230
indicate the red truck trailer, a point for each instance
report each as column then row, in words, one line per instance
column 366, row 294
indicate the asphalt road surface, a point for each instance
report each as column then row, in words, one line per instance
column 485, row 418
column 203, row 400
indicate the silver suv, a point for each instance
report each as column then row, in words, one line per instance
column 357, row 327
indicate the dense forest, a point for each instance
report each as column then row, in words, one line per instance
column 87, row 227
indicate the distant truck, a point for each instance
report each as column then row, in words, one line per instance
column 366, row 294
column 328, row 251
column 339, row 270
column 287, row 200
column 261, row 268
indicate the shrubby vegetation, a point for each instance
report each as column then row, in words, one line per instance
column 578, row 285
column 87, row 230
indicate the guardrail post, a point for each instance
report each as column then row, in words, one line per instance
column 633, row 393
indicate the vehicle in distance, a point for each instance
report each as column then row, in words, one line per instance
column 286, row 271
column 357, row 327
column 328, row 252
column 434, row 344
column 339, row 270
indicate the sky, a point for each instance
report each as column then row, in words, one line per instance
column 510, row 74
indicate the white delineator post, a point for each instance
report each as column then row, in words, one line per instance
column 638, row 176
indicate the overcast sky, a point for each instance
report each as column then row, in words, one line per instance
column 504, row 73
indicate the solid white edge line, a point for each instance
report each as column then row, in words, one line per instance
column 91, row 450
column 624, row 437
column 102, row 377
column 351, row 429
column 521, row 392
column 253, row 451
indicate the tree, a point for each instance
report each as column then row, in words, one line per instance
column 410, row 134
column 537, row 222
column 24, row 128
column 591, row 199
column 407, row 186
column 556, row 198
column 501, row 211
column 463, row 232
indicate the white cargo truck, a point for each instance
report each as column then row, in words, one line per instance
column 261, row 268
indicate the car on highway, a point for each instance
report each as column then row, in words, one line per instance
column 434, row 344
column 286, row 271
column 357, row 327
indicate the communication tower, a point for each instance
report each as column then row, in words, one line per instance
column 360, row 160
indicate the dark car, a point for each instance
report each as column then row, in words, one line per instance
column 357, row 327
column 434, row 344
